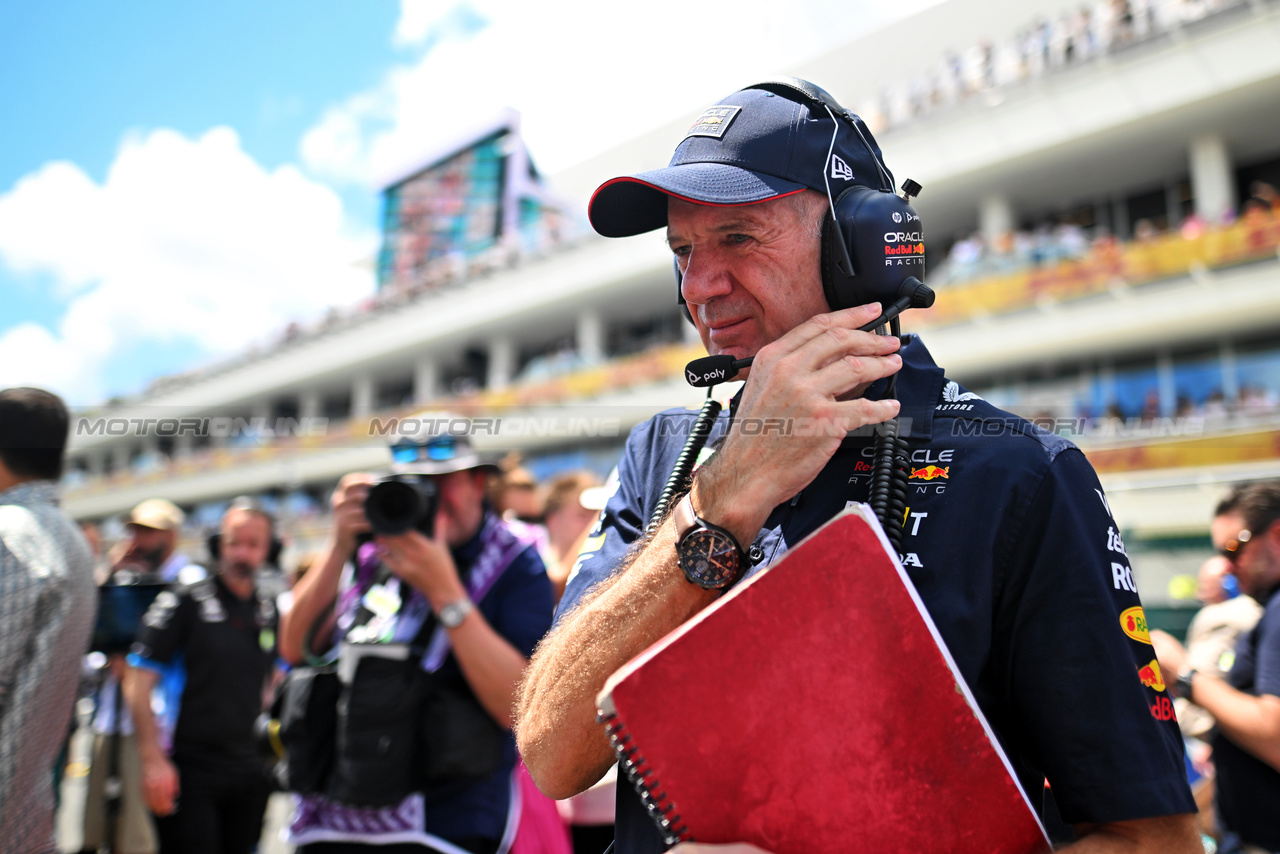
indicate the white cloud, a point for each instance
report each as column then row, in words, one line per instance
column 585, row 75
column 185, row 240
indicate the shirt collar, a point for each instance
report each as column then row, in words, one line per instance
column 31, row 492
column 919, row 388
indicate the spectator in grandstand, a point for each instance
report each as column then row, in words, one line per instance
column 46, row 614
column 476, row 597
column 208, row 789
column 1265, row 193
column 1246, row 702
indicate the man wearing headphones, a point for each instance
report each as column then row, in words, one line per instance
column 1007, row 535
column 208, row 790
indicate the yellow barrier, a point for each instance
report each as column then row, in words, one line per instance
column 1221, row 449
column 1255, row 237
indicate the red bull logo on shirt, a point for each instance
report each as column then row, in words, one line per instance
column 931, row 473
column 1134, row 623
column 1150, row 675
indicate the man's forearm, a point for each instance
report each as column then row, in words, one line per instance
column 137, row 685
column 1168, row 834
column 565, row 749
column 1252, row 723
column 313, row 593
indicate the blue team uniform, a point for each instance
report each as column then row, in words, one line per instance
column 1011, row 544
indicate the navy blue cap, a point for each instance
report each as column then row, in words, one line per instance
column 750, row 147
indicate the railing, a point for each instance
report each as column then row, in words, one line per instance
column 1109, row 264
column 656, row 365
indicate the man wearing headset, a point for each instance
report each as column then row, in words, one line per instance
column 1007, row 537
column 208, row 792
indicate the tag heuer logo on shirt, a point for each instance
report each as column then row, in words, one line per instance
column 713, row 122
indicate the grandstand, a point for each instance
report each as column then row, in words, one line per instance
column 1101, row 232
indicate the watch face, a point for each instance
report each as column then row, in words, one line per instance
column 709, row 559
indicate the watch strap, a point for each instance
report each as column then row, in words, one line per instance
column 687, row 524
column 452, row 615
column 1182, row 685
column 687, row 519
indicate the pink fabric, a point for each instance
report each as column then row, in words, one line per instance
column 541, row 831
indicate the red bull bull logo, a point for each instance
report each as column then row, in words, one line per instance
column 905, row 249
column 931, row 473
column 1150, row 675
column 1134, row 623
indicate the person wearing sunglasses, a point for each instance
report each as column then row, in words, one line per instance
column 1246, row 703
column 473, row 592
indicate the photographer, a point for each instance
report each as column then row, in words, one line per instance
column 480, row 598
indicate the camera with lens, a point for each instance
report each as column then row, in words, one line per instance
column 122, row 602
column 403, row 502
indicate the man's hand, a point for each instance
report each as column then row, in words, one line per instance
column 800, row 400
column 317, row 590
column 1171, row 654
column 424, row 563
column 159, row 784
column 348, row 506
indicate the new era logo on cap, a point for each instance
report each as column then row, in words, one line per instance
column 840, row 169
column 713, row 122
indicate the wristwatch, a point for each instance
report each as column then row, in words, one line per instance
column 1182, row 685
column 452, row 615
column 709, row 556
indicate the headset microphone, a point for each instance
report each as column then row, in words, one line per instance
column 712, row 370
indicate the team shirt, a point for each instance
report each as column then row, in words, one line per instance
column 224, row 647
column 1011, row 544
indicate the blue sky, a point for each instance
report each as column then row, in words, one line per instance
column 178, row 181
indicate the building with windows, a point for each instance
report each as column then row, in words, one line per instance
column 1102, row 229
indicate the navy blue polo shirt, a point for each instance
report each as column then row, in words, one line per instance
column 1011, row 544
column 1248, row 789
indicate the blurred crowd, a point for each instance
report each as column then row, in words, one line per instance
column 973, row 257
column 1040, row 47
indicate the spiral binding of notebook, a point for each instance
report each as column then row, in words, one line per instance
column 641, row 776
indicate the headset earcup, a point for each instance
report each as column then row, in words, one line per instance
column 214, row 545
column 273, row 555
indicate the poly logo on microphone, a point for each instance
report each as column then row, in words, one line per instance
column 691, row 377
column 840, row 169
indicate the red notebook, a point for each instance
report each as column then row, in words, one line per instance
column 816, row 709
